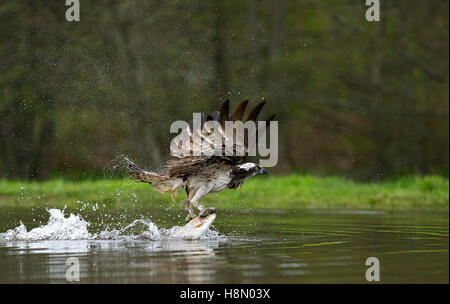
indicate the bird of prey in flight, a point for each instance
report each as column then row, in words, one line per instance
column 200, row 175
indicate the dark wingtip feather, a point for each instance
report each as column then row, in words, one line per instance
column 202, row 118
column 271, row 117
column 239, row 112
column 224, row 112
column 213, row 116
column 255, row 112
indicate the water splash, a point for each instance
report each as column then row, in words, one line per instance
column 57, row 228
column 74, row 227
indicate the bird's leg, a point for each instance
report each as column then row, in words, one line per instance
column 203, row 211
column 201, row 192
column 191, row 215
column 206, row 211
column 174, row 195
column 198, row 206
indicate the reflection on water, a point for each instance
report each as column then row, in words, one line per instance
column 254, row 246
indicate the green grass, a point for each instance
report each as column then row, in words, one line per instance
column 285, row 192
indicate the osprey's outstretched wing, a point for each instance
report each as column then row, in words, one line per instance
column 186, row 148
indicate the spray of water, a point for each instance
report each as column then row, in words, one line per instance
column 74, row 227
column 117, row 167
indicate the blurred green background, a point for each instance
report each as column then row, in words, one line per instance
column 364, row 100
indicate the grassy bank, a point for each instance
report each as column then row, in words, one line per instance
column 294, row 191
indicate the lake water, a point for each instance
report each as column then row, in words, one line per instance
column 246, row 246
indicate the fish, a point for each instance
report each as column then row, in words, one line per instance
column 195, row 228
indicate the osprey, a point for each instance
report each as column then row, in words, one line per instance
column 200, row 175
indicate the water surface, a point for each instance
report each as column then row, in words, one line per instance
column 248, row 246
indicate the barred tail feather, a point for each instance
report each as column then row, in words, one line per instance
column 159, row 182
column 143, row 175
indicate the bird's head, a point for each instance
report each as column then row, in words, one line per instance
column 247, row 170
